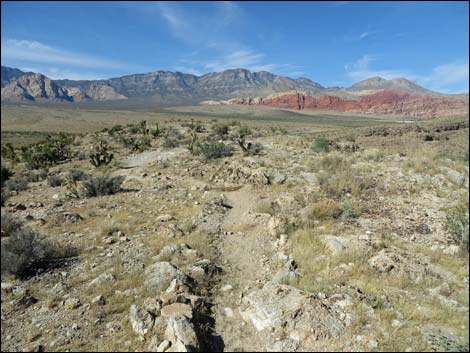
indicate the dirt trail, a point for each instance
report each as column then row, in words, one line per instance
column 244, row 255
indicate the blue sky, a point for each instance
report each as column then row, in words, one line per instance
column 333, row 43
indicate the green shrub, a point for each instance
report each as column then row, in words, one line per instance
column 16, row 185
column 36, row 175
column 115, row 130
column 8, row 152
column 239, row 136
column 24, row 250
column 77, row 174
column 102, row 185
column 141, row 144
column 457, row 224
column 10, row 224
column 220, row 129
column 100, row 154
column 47, row 153
column 349, row 210
column 172, row 138
column 134, row 129
column 214, row 150
column 6, row 173
column 54, row 181
column 322, row 144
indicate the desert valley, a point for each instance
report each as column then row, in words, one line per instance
column 234, row 210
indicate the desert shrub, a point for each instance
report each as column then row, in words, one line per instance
column 100, row 154
column 214, row 150
column 156, row 132
column 220, row 129
column 8, row 152
column 254, row 148
column 77, row 174
column 141, row 144
column 196, row 126
column 36, row 175
column 54, row 180
column 46, row 153
column 349, row 210
column 4, row 196
column 457, row 224
column 16, row 185
column 24, row 250
column 344, row 182
column 115, row 129
column 10, row 224
column 240, row 134
column 172, row 138
column 337, row 177
column 321, row 144
column 133, row 129
column 102, row 185
column 6, row 173
column 325, row 209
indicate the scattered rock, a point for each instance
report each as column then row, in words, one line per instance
column 180, row 329
column 160, row 275
column 140, row 319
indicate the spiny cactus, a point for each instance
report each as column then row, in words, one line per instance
column 100, row 154
column 193, row 142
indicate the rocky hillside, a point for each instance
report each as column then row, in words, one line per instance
column 381, row 102
column 163, row 85
column 193, row 235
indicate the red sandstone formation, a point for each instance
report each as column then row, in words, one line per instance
column 383, row 102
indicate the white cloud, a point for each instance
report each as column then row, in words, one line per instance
column 450, row 78
column 36, row 52
column 448, row 74
column 238, row 59
column 56, row 73
column 212, row 35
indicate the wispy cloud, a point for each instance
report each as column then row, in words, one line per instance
column 57, row 73
column 443, row 78
column 212, row 39
column 246, row 59
column 36, row 52
column 365, row 34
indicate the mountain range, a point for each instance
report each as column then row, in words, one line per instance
column 170, row 88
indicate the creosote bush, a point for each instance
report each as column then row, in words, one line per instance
column 51, row 151
column 219, row 129
column 16, row 184
column 23, row 250
column 10, row 224
column 214, row 150
column 77, row 174
column 321, row 144
column 102, row 185
column 54, row 180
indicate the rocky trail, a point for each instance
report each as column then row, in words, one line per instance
column 244, row 250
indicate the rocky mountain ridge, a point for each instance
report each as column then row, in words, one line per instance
column 236, row 86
